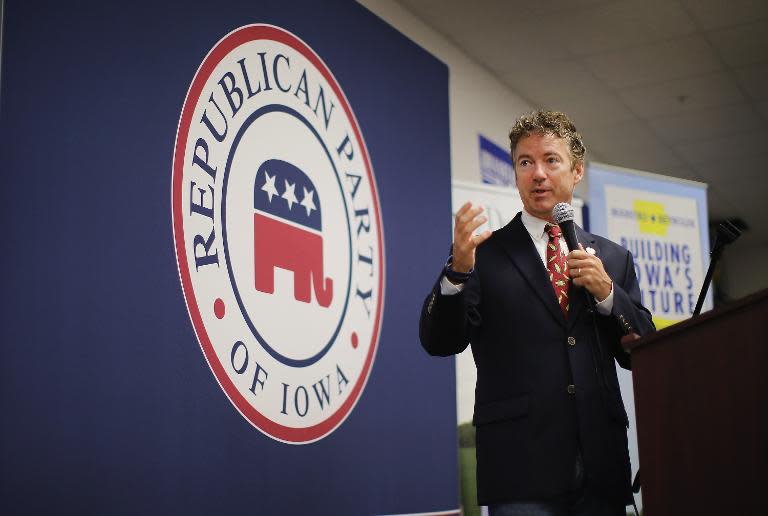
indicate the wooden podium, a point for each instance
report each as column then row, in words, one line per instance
column 701, row 397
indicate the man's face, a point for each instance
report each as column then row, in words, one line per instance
column 544, row 173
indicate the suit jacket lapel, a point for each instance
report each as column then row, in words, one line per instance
column 518, row 245
column 577, row 299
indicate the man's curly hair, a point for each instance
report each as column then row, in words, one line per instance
column 548, row 122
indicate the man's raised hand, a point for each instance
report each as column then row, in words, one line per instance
column 465, row 241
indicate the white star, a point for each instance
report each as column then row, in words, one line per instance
column 307, row 201
column 269, row 185
column 289, row 195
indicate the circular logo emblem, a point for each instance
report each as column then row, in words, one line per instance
column 278, row 233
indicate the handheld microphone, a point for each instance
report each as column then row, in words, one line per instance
column 562, row 214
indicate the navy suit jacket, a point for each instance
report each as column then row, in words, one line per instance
column 546, row 385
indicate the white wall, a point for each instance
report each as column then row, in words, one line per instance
column 479, row 103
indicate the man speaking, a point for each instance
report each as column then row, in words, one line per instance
column 545, row 326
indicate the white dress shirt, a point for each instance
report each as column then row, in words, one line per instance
column 536, row 229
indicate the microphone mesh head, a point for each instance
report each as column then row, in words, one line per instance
column 562, row 212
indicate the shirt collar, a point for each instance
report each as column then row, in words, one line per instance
column 534, row 225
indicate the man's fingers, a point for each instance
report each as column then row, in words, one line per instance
column 476, row 223
column 467, row 239
column 467, row 223
column 470, row 214
column 574, row 263
column 577, row 254
column 467, row 220
column 482, row 237
column 581, row 259
column 464, row 207
column 467, row 212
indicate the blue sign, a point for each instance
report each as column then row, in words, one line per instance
column 495, row 164
column 213, row 275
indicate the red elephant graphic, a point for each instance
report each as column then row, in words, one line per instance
column 287, row 232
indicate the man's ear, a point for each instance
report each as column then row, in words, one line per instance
column 578, row 172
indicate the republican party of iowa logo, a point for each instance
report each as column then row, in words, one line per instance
column 278, row 233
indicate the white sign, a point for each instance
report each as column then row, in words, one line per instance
column 662, row 233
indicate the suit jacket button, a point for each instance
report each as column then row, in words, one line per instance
column 571, row 341
column 571, row 389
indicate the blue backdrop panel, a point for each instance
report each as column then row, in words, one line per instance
column 108, row 405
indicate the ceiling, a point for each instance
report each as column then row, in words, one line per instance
column 676, row 87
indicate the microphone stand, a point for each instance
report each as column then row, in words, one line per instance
column 726, row 233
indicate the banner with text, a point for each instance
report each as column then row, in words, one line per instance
column 662, row 221
column 211, row 300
